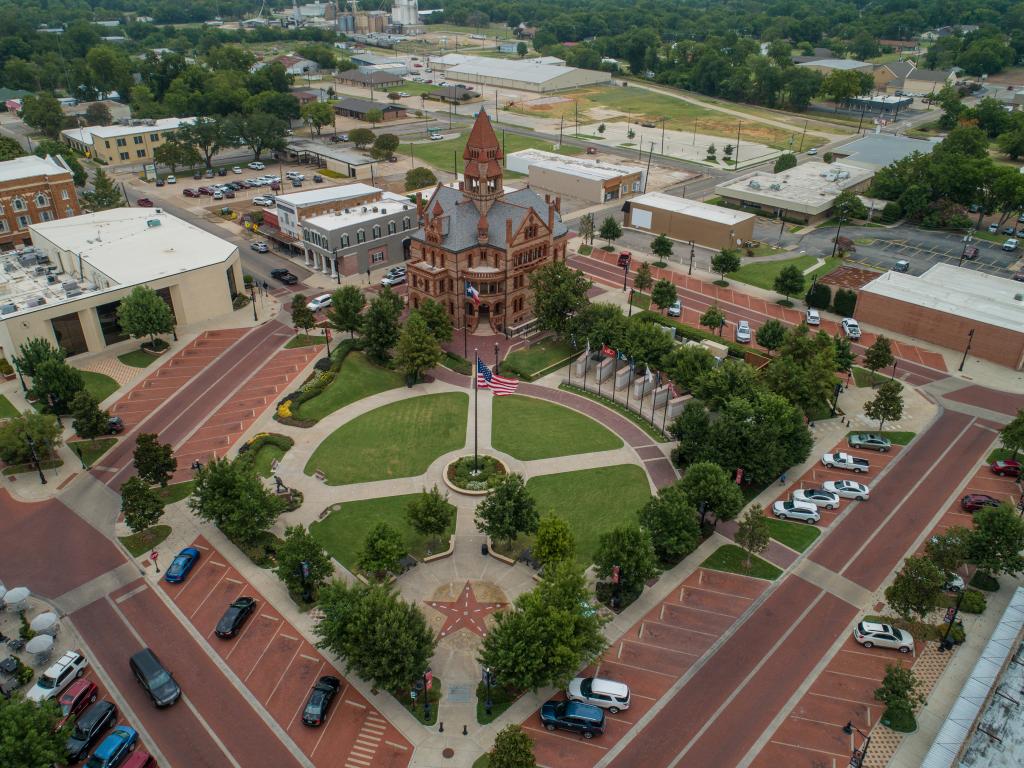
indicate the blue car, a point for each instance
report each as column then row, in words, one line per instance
column 114, row 749
column 181, row 565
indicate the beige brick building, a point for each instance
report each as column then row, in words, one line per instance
column 689, row 220
column 123, row 145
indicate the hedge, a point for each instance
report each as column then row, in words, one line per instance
column 316, row 383
column 688, row 332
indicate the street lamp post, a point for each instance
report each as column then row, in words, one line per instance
column 858, row 756
column 692, row 254
column 252, row 295
column 52, row 401
column 631, row 292
column 625, row 274
column 488, row 704
column 426, row 696
column 970, row 338
column 842, row 220
column 21, row 378
column 327, row 340
column 496, row 352
column 947, row 644
column 35, row 459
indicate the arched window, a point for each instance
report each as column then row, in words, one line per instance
column 344, row 241
column 41, row 200
column 360, row 236
column 18, row 204
column 392, row 228
column 406, row 223
column 376, row 231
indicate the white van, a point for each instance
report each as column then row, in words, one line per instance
column 607, row 694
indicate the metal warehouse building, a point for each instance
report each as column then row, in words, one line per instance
column 528, row 75
column 579, row 178
column 689, row 220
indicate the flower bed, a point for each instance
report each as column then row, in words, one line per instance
column 460, row 473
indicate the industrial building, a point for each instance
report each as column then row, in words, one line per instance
column 67, row 286
column 578, row 178
column 689, row 220
column 375, row 79
column 33, row 190
column 123, row 145
column 804, row 194
column 877, row 150
column 372, row 62
column 515, row 74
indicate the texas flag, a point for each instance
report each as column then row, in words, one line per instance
column 472, row 293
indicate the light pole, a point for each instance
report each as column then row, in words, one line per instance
column 327, row 340
column 496, row 351
column 52, row 401
column 968, row 239
column 859, row 755
column 78, row 451
column 947, row 644
column 35, row 459
column 692, row 254
column 21, row 378
column 625, row 274
column 970, row 338
column 487, row 681
column 842, row 218
column 252, row 295
column 631, row 292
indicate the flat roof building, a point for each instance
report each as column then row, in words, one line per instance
column 837, row 65
column 578, row 178
column 804, row 194
column 351, row 163
column 877, row 150
column 292, row 209
column 67, row 286
column 33, row 190
column 515, row 74
column 123, row 144
column 689, row 220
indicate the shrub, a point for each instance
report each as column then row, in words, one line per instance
column 239, row 301
column 819, row 297
column 973, row 602
column 490, row 471
column 828, row 157
column 892, row 212
column 985, row 582
column 844, row 302
column 6, row 369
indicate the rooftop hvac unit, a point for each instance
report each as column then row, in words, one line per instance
column 153, row 223
column 775, row 187
column 374, row 209
column 72, row 294
column 755, row 184
column 69, row 285
column 51, row 279
column 9, row 266
column 39, row 271
column 26, row 259
column 382, row 210
column 6, row 309
column 843, row 175
column 364, row 209
column 35, row 301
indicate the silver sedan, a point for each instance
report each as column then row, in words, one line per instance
column 848, row 489
column 796, row 510
column 819, row 497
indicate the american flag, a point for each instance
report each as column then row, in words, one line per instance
column 486, row 379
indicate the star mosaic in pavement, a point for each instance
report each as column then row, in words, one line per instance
column 465, row 612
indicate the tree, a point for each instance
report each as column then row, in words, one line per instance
column 804, row 370
column 507, row 511
column 878, row 355
column 34, row 352
column 43, row 113
column 362, row 137
column 725, row 261
column 713, row 319
column 521, row 49
column 141, row 506
column 753, row 532
column 513, row 748
column 143, row 313
column 1011, row 436
column 380, row 324
column 98, row 113
column 346, row 305
column 207, row 136
column 731, row 378
column 645, row 343
column 29, row 736
column 374, row 116
column 661, row 247
column 417, row 349
column 302, row 315
column 790, row 281
column 384, row 146
column 671, row 520
column 997, row 540
column 586, row 228
column 89, row 422
column 154, row 462
column 664, row 294
column 686, row 363
column 690, row 428
column 15, row 432
column 282, row 105
column 316, row 115
column 554, row 540
column 784, row 162
column 901, row 693
column 259, row 131
column 949, row 550
column 418, row 178
column 173, row 154
column 56, row 383
column 301, row 555
column 916, row 589
column 437, row 319
column 1011, row 143
column 602, row 128
column 10, row 149
column 381, row 637
column 558, row 293
column 844, row 84
column 710, row 489
column 394, row 96
column 430, row 513
column 849, row 206
column 771, row 335
column 103, row 195
column 843, row 349
column 887, row 404
column 231, row 496
column 610, row 230
column 643, row 281
column 630, row 549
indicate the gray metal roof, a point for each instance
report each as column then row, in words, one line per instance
column 878, row 150
column 363, row 106
column 929, row 75
column 900, row 68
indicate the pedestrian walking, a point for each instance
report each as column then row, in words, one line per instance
column 782, row 479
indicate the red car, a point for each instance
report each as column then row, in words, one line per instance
column 1005, row 468
column 76, row 697
column 144, row 202
column 189, row 193
column 972, row 502
column 204, row 191
column 624, row 258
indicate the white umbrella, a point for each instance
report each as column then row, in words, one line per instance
column 44, row 622
column 16, row 596
column 39, row 644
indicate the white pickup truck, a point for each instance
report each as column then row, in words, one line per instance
column 845, row 461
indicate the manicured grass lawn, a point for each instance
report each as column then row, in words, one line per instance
column 142, row 542
column 175, row 492
column 897, row 438
column 592, row 501
column 641, row 300
column 527, row 429
column 344, row 530
column 396, row 440
column 530, row 361
column 137, row 358
column 763, row 274
column 93, row 449
column 798, row 536
column 732, row 559
column 7, row 409
column 358, row 378
column 99, row 386
column 413, row 88
column 863, row 377
column 264, row 456
column 484, row 761
column 440, row 153
column 457, row 363
column 304, row 340
column 999, row 454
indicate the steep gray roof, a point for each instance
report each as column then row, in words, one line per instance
column 900, row 68
column 363, row 106
column 930, row 75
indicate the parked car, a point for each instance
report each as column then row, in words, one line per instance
column 395, row 278
column 436, row 137
column 160, row 182
column 847, row 489
column 189, row 193
column 275, row 185
column 236, row 170
column 144, row 202
column 972, row 502
column 266, row 202
column 218, row 195
column 256, row 165
column 115, row 425
column 812, row 317
column 819, row 497
column 114, row 749
column 284, row 276
column 229, row 194
column 812, row 151
column 295, row 183
column 676, row 309
column 76, row 697
column 343, row 136
column 625, row 257
column 1005, row 468
column 204, row 191
column 1010, row 244
column 871, row 441
column 197, row 175
column 234, row 617
column 209, row 173
column 317, row 178
column 607, row 694
column 319, row 302
column 172, row 179
column 585, row 719
column 88, row 729
column 993, row 229
column 1010, row 230
column 870, row 634
column 295, row 175
column 845, row 461
column 58, row 676
column 743, row 332
column 591, row 150
column 796, row 510
column 319, row 702
column 181, row 565
column 260, row 247
column 850, row 327
column 154, row 678
column 954, row 583
column 902, row 266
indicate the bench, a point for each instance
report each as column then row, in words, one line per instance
column 319, row 475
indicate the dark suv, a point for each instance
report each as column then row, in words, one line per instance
column 90, row 725
column 585, row 719
column 284, row 276
column 154, row 678
column 972, row 502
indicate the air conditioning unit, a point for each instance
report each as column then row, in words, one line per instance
column 755, row 184
column 72, row 294
column 152, row 223
column 35, row 301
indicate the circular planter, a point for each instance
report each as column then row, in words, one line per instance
column 455, row 474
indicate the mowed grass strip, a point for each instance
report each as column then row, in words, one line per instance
column 137, row 358
column 528, row 429
column 531, row 360
column 798, row 536
column 763, row 274
column 7, row 409
column 358, row 378
column 396, row 440
column 592, row 501
column 98, row 385
column 732, row 559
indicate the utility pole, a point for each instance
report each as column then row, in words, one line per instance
column 663, row 135
column 736, row 156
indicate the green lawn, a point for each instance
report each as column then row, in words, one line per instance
column 732, row 559
column 641, row 300
column 7, row 409
column 304, row 340
column 413, row 88
column 137, row 358
column 99, row 386
column 343, row 531
column 897, row 438
column 396, row 440
column 142, row 542
column 999, row 454
column 265, row 456
column 527, row 429
column 441, row 154
column 93, row 449
column 763, row 274
column 530, row 361
column 175, row 492
column 798, row 536
column 358, row 378
column 592, row 501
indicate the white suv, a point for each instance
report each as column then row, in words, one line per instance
column 607, row 694
column 851, row 327
column 870, row 633
column 58, row 677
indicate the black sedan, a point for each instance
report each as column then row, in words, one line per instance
column 284, row 276
column 319, row 701
column 235, row 617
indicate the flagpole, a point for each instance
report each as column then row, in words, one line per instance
column 629, row 382
column 476, row 410
column 643, row 391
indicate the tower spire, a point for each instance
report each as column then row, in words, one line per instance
column 484, row 182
